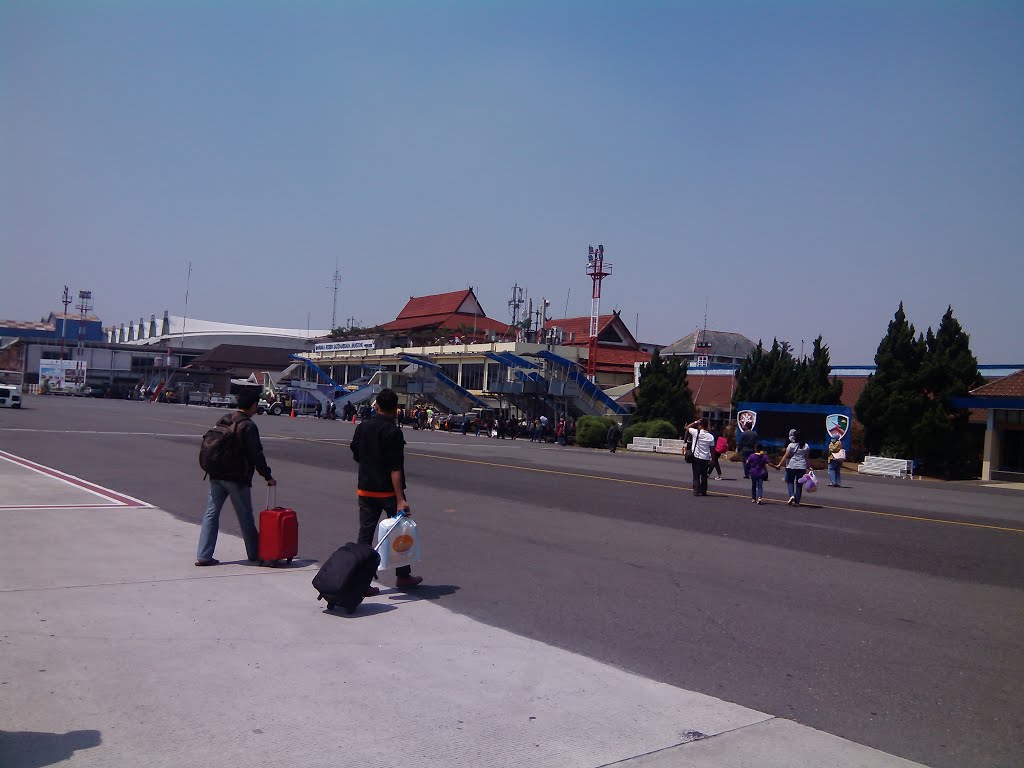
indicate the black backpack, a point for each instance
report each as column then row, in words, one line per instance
column 221, row 453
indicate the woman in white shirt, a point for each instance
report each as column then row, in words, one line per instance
column 702, row 442
column 795, row 459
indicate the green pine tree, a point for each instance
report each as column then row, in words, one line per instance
column 664, row 392
column 815, row 384
column 749, row 377
column 949, row 370
column 893, row 402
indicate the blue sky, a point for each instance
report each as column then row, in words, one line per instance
column 797, row 167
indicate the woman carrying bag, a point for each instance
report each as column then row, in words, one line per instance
column 795, row 459
column 836, row 457
column 702, row 443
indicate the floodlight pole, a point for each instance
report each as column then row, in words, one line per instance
column 66, row 300
column 598, row 270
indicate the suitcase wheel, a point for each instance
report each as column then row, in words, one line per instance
column 289, row 561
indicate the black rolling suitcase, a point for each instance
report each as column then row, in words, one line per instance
column 345, row 577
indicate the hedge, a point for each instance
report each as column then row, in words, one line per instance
column 657, row 428
column 592, row 431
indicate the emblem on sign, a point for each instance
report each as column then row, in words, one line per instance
column 837, row 425
column 746, row 420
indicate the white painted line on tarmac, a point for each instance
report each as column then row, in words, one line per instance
column 24, row 507
column 120, row 499
column 98, row 432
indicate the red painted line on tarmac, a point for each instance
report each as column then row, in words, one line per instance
column 121, row 499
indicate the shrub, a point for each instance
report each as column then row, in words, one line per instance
column 638, row 429
column 592, row 431
column 662, row 428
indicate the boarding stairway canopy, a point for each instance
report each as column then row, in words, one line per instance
column 438, row 387
column 569, row 382
column 564, row 381
column 335, row 392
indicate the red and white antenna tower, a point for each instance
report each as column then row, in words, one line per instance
column 598, row 269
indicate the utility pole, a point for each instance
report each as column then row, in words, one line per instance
column 598, row 270
column 84, row 307
column 188, row 281
column 514, row 304
column 334, row 311
column 66, row 300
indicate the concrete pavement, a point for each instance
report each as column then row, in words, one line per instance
column 117, row 651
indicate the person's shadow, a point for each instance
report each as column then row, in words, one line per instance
column 422, row 592
column 31, row 749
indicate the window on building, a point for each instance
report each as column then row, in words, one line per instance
column 451, row 370
column 702, row 361
column 493, row 374
column 473, row 376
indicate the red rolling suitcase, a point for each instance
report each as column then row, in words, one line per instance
column 279, row 533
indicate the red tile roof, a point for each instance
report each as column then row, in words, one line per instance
column 710, row 391
column 853, row 386
column 422, row 321
column 438, row 304
column 619, row 360
column 1007, row 386
column 447, row 322
column 580, row 327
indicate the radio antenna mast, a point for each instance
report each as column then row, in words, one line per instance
column 334, row 309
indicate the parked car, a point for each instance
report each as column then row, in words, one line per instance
column 453, row 422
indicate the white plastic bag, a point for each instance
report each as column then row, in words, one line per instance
column 403, row 546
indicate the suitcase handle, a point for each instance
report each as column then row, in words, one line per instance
column 269, row 505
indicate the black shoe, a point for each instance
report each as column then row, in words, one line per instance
column 203, row 563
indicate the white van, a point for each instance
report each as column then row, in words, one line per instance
column 10, row 396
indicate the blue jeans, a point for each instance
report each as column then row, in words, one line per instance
column 241, row 500
column 756, row 487
column 794, row 488
column 835, row 469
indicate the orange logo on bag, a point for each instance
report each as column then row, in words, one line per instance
column 402, row 543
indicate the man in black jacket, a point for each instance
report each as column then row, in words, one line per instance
column 236, row 483
column 379, row 447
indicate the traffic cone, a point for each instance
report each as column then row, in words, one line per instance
column 293, row 411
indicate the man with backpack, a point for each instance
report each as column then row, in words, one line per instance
column 231, row 453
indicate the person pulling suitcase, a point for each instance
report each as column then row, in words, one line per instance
column 378, row 445
column 230, row 454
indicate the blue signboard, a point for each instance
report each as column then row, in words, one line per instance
column 818, row 424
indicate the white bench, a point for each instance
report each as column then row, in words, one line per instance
column 880, row 465
column 675, row 447
column 645, row 444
